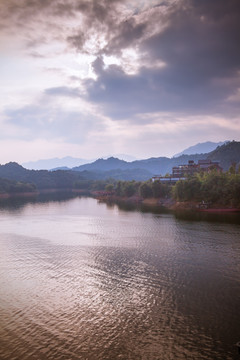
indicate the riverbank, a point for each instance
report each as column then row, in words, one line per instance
column 6, row 195
column 168, row 203
column 18, row 194
column 135, row 199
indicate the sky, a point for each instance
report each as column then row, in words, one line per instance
column 90, row 78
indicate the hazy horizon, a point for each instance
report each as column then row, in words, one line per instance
column 70, row 161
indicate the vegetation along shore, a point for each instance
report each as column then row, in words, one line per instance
column 201, row 191
column 208, row 184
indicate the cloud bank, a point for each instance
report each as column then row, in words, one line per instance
column 120, row 69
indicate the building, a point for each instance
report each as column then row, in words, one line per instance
column 183, row 170
column 167, row 179
column 208, row 165
column 180, row 172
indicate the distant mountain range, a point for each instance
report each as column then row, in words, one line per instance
column 227, row 154
column 66, row 162
column 48, row 164
column 201, row 148
column 114, row 168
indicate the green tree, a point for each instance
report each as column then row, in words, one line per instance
column 109, row 187
column 145, row 190
column 129, row 188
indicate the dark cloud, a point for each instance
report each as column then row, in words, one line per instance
column 36, row 22
column 199, row 43
column 197, row 40
column 99, row 18
column 77, row 40
column 125, row 95
column 53, row 18
column 128, row 33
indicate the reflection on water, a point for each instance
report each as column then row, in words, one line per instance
column 83, row 280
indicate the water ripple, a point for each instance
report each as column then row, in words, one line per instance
column 116, row 285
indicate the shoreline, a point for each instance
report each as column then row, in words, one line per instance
column 32, row 194
column 18, row 194
column 167, row 203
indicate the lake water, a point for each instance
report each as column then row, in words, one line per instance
column 81, row 279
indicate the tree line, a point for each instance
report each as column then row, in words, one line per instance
column 146, row 189
column 11, row 186
column 212, row 187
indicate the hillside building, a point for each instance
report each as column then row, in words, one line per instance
column 180, row 172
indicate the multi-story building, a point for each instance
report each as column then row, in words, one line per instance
column 180, row 172
column 183, row 170
column 208, row 165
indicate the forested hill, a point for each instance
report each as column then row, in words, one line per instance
column 140, row 170
column 60, row 179
column 43, row 179
column 226, row 154
column 161, row 165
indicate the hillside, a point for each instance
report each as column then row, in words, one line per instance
column 61, row 179
column 43, row 179
column 201, row 148
column 67, row 162
column 161, row 165
column 227, row 154
column 139, row 170
column 104, row 165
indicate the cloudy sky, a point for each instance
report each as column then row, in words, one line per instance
column 89, row 78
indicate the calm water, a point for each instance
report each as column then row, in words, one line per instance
column 83, row 280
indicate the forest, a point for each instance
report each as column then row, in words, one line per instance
column 11, row 186
column 213, row 188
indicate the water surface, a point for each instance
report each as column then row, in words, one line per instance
column 81, row 279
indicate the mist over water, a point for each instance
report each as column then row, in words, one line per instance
column 81, row 279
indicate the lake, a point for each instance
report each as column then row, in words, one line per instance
column 80, row 279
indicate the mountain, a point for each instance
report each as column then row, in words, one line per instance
column 13, row 171
column 161, row 165
column 201, row 148
column 60, row 179
column 114, row 168
column 104, row 165
column 122, row 161
column 66, row 163
column 227, row 154
column 61, row 168
column 117, row 174
column 48, row 164
column 124, row 157
column 43, row 179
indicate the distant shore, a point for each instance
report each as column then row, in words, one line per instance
column 169, row 204
column 18, row 194
column 42, row 191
